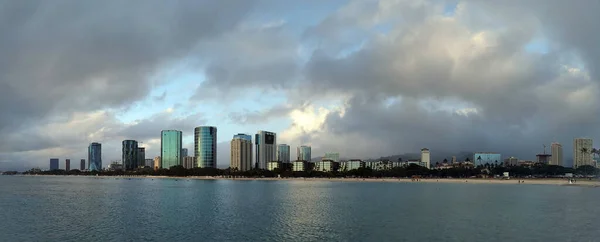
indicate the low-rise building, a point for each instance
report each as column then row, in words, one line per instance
column 324, row 165
column 189, row 162
column 351, row 165
column 272, row 165
column 299, row 165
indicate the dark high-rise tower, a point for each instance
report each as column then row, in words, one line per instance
column 95, row 157
column 130, row 154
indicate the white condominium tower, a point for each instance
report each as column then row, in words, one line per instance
column 425, row 157
column 266, row 148
column 582, row 152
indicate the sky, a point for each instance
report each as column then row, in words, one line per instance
column 365, row 78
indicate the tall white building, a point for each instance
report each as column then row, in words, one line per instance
column 283, row 153
column 266, row 148
column 557, row 154
column 582, row 152
column 425, row 157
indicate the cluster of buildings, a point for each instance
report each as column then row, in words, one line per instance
column 264, row 153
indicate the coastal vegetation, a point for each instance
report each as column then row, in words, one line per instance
column 536, row 171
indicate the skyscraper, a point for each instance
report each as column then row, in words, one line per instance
column 141, row 160
column 53, row 164
column 205, row 146
column 425, row 157
column 582, row 148
column 303, row 153
column 283, row 153
column 170, row 148
column 95, row 157
column 557, row 154
column 67, row 164
column 241, row 152
column 184, row 152
column 130, row 154
column 266, row 148
column 82, row 165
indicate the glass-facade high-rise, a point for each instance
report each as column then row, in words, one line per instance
column 205, row 146
column 184, row 152
column 303, row 153
column 141, row 160
column 170, row 148
column 283, row 153
column 54, row 164
column 95, row 157
column 130, row 154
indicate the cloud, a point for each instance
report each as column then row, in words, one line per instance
column 373, row 78
column 73, row 56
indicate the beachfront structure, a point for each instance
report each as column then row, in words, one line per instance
column 130, row 154
column 303, row 153
column 511, row 161
column 205, row 146
column 482, row 158
column 170, row 149
column 283, row 153
column 582, row 152
column 426, row 157
column 241, row 152
column 272, row 165
column 299, row 165
column 351, row 165
column 266, row 148
column 557, row 154
column 324, row 165
column 95, row 157
column 189, row 162
column 332, row 156
column 54, row 164
column 148, row 162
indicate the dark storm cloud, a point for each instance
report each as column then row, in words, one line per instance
column 523, row 100
column 64, row 56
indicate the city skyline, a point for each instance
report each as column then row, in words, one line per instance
column 390, row 76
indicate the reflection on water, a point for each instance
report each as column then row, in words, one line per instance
column 109, row 209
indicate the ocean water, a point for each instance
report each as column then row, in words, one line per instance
column 109, row 209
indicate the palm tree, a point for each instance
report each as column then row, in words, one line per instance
column 479, row 159
column 445, row 161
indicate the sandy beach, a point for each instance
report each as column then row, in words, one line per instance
column 514, row 181
column 560, row 182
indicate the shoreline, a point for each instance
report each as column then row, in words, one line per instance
column 528, row 181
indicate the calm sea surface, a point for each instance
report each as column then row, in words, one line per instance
column 109, row 209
